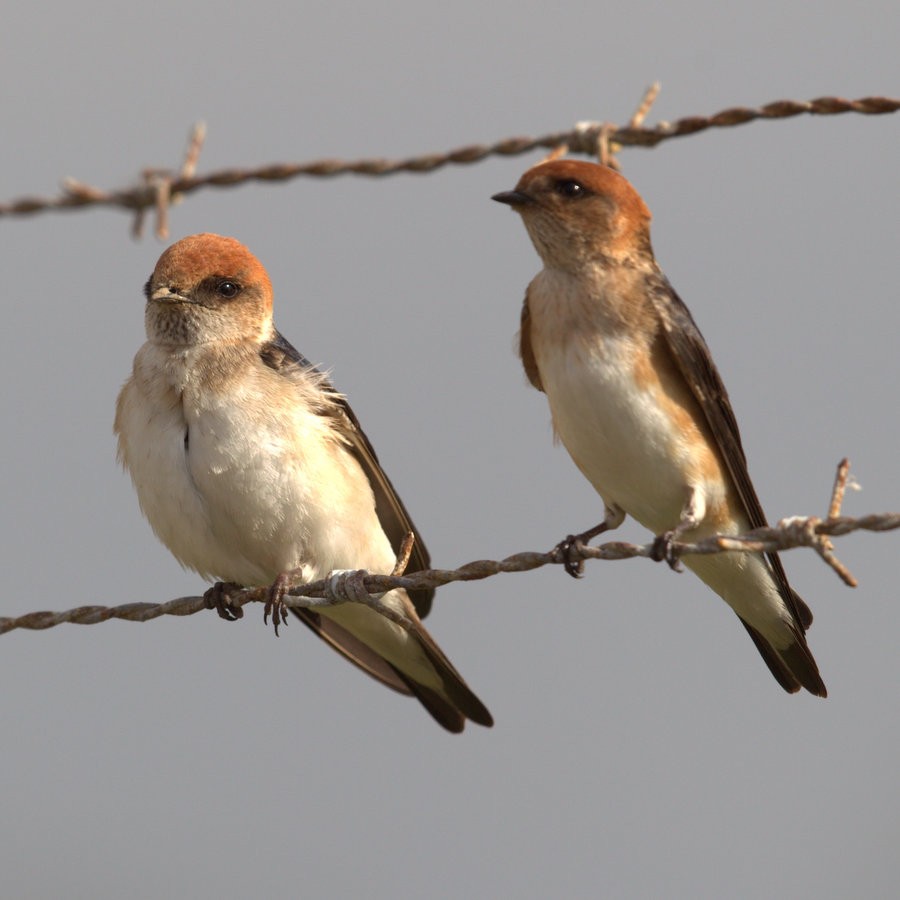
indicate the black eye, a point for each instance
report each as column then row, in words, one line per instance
column 147, row 287
column 568, row 187
column 228, row 289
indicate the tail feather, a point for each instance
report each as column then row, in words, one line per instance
column 804, row 613
column 793, row 667
column 441, row 710
column 757, row 590
column 449, row 709
column 457, row 693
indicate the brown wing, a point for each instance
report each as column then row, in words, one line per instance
column 391, row 512
column 695, row 362
column 281, row 355
column 526, row 351
column 460, row 702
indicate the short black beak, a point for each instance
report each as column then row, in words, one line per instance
column 512, row 198
column 168, row 295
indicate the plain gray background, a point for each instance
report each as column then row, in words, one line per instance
column 641, row 747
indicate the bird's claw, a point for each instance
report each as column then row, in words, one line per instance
column 568, row 551
column 217, row 598
column 275, row 602
column 664, row 549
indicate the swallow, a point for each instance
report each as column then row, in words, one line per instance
column 638, row 402
column 252, row 469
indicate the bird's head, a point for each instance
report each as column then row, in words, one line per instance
column 580, row 213
column 208, row 288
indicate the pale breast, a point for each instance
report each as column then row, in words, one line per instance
column 151, row 428
column 244, row 483
column 634, row 437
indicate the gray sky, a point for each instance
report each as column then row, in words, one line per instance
column 641, row 747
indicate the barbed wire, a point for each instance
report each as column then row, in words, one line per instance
column 160, row 188
column 788, row 534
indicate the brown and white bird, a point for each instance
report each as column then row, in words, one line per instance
column 638, row 402
column 248, row 465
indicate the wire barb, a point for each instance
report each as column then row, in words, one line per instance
column 158, row 182
column 840, row 488
column 608, row 149
column 406, row 549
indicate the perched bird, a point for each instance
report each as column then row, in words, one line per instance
column 638, row 402
column 249, row 465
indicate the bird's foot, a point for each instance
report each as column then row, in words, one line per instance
column 570, row 550
column 275, row 601
column 664, row 549
column 217, row 598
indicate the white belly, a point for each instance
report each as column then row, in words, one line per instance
column 251, row 494
column 644, row 451
column 616, row 431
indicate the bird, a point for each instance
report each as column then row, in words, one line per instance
column 252, row 469
column 638, row 402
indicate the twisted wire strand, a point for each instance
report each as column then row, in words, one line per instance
column 585, row 138
column 788, row 534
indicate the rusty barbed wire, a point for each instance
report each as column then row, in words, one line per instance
column 788, row 534
column 588, row 138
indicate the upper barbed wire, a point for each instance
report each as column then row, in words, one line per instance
column 160, row 188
